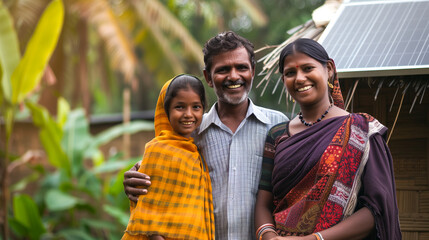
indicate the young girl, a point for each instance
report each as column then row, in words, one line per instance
column 181, row 206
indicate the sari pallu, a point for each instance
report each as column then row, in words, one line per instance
column 324, row 173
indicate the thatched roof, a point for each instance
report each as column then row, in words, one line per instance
column 313, row 29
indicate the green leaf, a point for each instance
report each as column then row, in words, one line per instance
column 9, row 116
column 117, row 186
column 57, row 201
column 76, row 139
column 116, row 131
column 50, row 136
column 18, row 228
column 113, row 166
column 9, row 51
column 63, row 109
column 38, row 52
column 26, row 213
column 23, row 182
column 98, row 224
column 75, row 234
column 117, row 213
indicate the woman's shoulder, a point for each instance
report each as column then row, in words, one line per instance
column 369, row 123
column 278, row 130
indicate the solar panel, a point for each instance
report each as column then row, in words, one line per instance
column 379, row 38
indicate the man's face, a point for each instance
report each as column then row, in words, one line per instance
column 231, row 76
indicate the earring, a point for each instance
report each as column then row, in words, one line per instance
column 330, row 85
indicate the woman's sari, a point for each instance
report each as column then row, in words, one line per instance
column 324, row 174
column 179, row 203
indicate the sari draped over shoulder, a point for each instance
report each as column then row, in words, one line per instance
column 324, row 174
column 179, row 204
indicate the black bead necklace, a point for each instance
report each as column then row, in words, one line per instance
column 318, row 120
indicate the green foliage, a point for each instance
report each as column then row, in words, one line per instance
column 81, row 186
column 9, row 51
column 93, row 190
column 27, row 220
column 39, row 50
column 50, row 136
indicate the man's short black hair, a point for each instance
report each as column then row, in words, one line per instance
column 224, row 42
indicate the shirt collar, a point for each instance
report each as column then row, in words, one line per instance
column 213, row 118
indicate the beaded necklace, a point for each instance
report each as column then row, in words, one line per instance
column 318, row 120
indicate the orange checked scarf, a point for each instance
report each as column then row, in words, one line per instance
column 179, row 203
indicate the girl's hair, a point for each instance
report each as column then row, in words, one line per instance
column 184, row 82
column 307, row 46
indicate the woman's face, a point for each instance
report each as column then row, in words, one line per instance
column 306, row 79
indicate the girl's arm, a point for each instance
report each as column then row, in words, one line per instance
column 263, row 211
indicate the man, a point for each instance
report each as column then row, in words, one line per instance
column 231, row 137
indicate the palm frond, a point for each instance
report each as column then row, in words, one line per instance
column 155, row 15
column 149, row 16
column 116, row 39
column 254, row 11
column 27, row 12
column 313, row 29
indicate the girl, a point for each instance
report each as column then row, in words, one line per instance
column 181, row 206
column 327, row 174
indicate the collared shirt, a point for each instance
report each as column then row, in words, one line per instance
column 234, row 161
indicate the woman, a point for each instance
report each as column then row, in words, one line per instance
column 327, row 174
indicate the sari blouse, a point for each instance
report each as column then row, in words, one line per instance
column 296, row 169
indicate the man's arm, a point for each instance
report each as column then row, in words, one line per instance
column 134, row 181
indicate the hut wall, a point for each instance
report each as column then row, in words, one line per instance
column 409, row 145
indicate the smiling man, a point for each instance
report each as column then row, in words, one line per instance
column 231, row 137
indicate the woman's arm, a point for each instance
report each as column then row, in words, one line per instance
column 263, row 211
column 357, row 226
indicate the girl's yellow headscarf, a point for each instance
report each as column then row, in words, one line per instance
column 179, row 201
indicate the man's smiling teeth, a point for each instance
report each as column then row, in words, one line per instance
column 234, row 86
column 304, row 88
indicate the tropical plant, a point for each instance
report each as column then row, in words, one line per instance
column 21, row 75
column 82, row 198
column 79, row 191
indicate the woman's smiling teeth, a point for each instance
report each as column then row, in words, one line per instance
column 187, row 123
column 304, row 88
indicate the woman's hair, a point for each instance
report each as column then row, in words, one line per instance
column 184, row 82
column 307, row 46
column 224, row 42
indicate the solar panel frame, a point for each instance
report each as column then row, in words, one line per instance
column 379, row 38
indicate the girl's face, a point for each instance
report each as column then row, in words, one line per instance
column 186, row 112
column 306, row 79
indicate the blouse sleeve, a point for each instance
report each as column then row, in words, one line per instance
column 268, row 157
column 378, row 192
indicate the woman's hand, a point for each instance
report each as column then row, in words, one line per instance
column 308, row 237
column 134, row 181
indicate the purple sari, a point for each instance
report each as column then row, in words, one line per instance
column 325, row 173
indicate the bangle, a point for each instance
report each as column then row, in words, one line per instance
column 267, row 230
column 318, row 236
column 264, row 228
